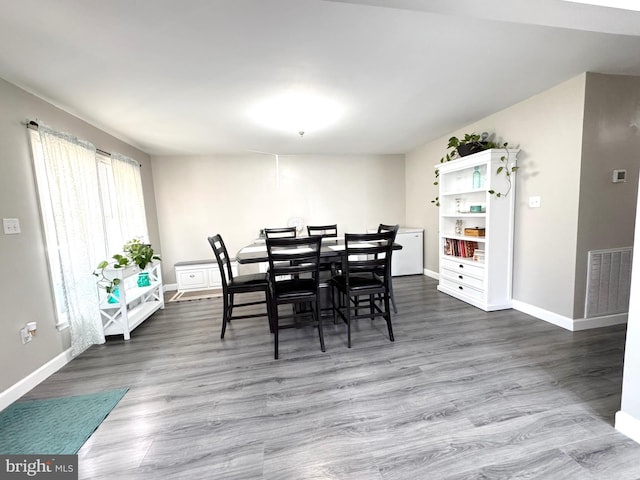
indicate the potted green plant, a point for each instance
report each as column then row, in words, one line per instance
column 141, row 254
column 110, row 284
column 134, row 252
column 473, row 143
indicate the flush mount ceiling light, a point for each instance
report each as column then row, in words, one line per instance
column 297, row 112
column 621, row 4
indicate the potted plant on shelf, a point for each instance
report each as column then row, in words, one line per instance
column 141, row 254
column 473, row 143
column 110, row 284
column 134, row 252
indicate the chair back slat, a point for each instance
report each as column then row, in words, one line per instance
column 281, row 232
column 222, row 257
column 389, row 228
column 324, row 231
column 293, row 256
column 367, row 253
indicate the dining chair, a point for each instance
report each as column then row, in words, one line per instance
column 390, row 228
column 323, row 230
column 365, row 267
column 294, row 278
column 283, row 232
column 238, row 284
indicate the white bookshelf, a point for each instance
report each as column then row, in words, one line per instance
column 484, row 284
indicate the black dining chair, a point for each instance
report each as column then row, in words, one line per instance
column 390, row 228
column 283, row 232
column 238, row 284
column 325, row 231
column 294, row 278
column 364, row 273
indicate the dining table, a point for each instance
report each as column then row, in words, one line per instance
column 333, row 249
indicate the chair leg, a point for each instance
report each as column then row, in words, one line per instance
column 349, row 320
column 333, row 304
column 230, row 308
column 319, row 320
column 372, row 301
column 387, row 316
column 225, row 313
column 393, row 299
column 274, row 326
column 267, row 298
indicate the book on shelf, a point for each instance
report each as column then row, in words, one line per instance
column 459, row 248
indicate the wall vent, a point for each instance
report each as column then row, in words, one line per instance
column 608, row 282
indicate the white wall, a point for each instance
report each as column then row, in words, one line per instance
column 236, row 196
column 25, row 293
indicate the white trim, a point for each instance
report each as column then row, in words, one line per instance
column 542, row 314
column 169, row 287
column 432, row 274
column 567, row 323
column 603, row 321
column 17, row 390
column 628, row 425
column 62, row 326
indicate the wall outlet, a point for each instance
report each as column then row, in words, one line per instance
column 11, row 226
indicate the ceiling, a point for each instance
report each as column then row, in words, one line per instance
column 181, row 77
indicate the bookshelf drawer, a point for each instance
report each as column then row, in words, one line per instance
column 463, row 278
column 460, row 267
column 463, row 289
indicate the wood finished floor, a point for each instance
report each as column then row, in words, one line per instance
column 461, row 394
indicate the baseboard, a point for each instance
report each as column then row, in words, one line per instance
column 170, row 287
column 551, row 317
column 628, row 425
column 16, row 391
column 597, row 322
column 571, row 324
column 432, row 274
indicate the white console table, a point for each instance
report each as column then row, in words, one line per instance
column 134, row 304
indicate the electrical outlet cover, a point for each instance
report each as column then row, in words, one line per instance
column 11, row 226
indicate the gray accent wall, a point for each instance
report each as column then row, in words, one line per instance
column 25, row 293
column 611, row 140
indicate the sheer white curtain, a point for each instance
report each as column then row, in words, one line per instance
column 129, row 197
column 71, row 171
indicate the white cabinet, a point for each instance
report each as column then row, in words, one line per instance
column 199, row 275
column 133, row 304
column 477, row 268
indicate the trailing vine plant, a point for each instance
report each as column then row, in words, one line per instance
column 119, row 261
column 473, row 143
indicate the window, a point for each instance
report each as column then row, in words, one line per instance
column 112, row 209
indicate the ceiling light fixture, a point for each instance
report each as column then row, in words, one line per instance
column 297, row 112
column 621, row 4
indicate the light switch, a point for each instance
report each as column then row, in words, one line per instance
column 534, row 202
column 11, row 226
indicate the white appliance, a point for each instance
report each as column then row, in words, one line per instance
column 408, row 261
